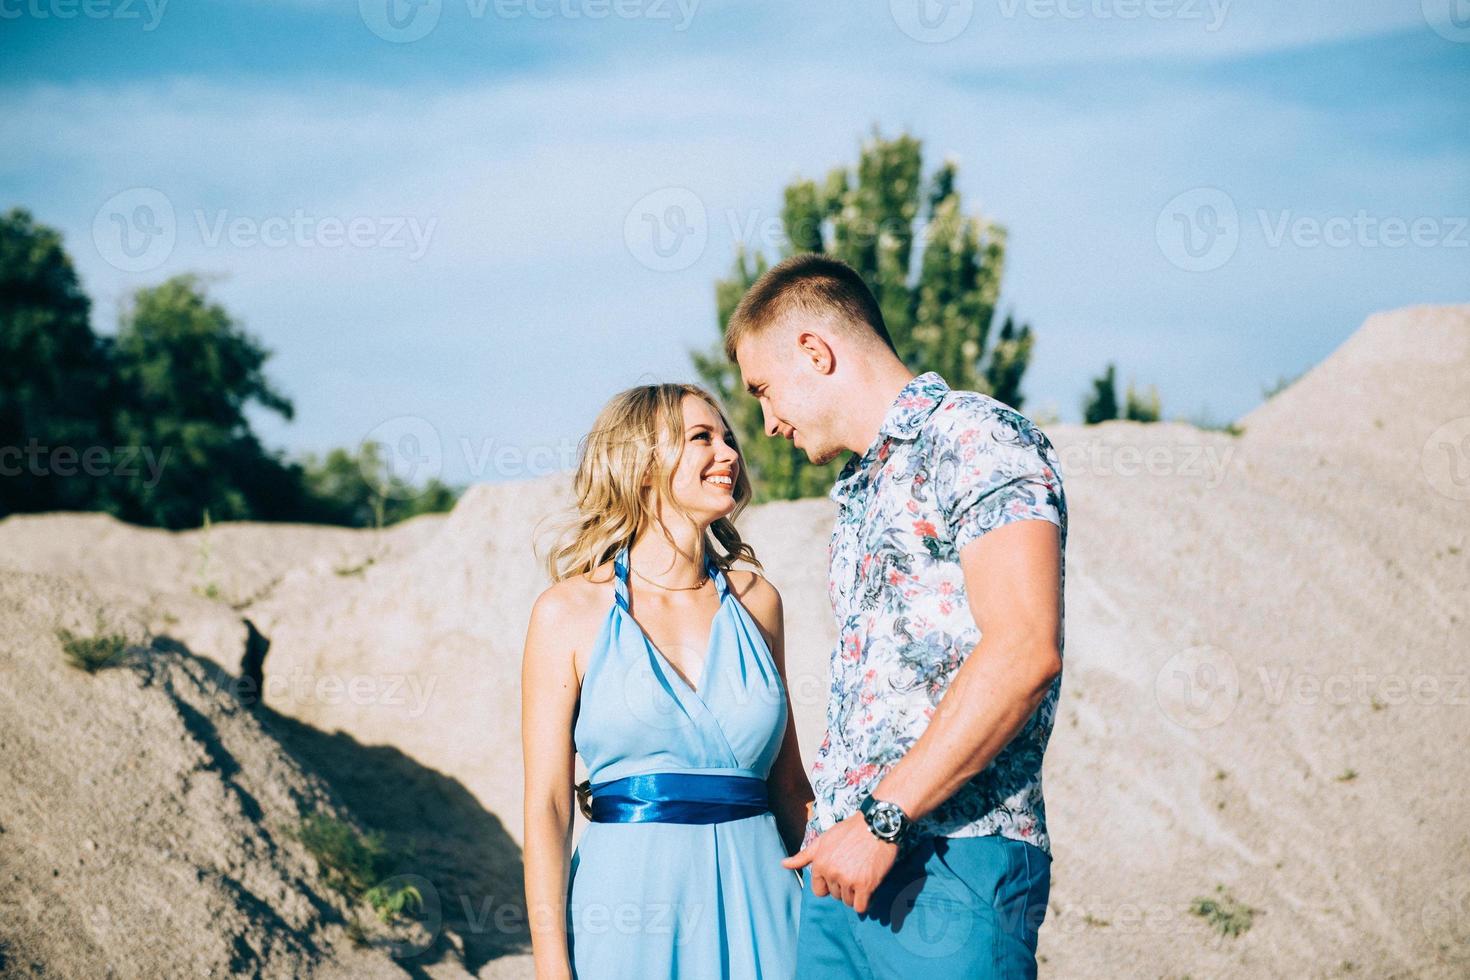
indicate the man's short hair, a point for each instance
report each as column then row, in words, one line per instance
column 810, row 283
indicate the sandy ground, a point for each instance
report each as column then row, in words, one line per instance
column 1266, row 696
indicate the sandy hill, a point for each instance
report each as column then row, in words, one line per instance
column 1265, row 704
column 146, row 816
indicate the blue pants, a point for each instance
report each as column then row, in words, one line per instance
column 951, row 907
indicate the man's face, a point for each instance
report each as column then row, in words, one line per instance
column 779, row 375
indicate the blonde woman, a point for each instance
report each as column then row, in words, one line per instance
column 663, row 668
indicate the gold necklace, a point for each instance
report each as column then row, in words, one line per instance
column 670, row 588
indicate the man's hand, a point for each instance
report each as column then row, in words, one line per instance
column 847, row 861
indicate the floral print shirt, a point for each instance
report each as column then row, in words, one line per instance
column 947, row 466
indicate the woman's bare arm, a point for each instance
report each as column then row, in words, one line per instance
column 790, row 790
column 549, row 689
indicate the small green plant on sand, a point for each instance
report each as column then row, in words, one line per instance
column 1227, row 915
column 206, row 586
column 357, row 865
column 92, row 653
column 391, row 901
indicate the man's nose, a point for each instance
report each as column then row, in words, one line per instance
column 772, row 429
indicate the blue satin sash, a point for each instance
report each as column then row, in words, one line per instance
column 678, row 797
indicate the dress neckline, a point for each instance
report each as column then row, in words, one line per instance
column 621, row 605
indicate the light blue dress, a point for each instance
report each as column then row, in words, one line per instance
column 695, row 901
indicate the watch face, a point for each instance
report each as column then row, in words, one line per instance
column 887, row 820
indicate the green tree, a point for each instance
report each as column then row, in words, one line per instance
column 1102, row 404
column 165, row 401
column 360, row 489
column 51, row 374
column 1141, row 406
column 186, row 373
column 1008, row 360
column 937, row 291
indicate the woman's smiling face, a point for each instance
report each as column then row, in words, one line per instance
column 705, row 479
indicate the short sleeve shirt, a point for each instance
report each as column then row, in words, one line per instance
column 947, row 467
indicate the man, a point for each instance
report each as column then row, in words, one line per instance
column 927, row 854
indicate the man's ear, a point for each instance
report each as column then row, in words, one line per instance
column 817, row 350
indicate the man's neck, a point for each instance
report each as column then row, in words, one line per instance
column 879, row 392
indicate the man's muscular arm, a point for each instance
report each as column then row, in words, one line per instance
column 1012, row 576
column 1013, row 580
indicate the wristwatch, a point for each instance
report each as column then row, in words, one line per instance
column 886, row 820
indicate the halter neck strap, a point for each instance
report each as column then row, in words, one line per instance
column 620, row 576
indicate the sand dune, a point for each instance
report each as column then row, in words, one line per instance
column 1266, row 695
column 146, row 816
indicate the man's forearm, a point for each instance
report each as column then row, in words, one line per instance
column 992, row 696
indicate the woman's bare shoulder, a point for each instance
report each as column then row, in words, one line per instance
column 577, row 596
column 757, row 594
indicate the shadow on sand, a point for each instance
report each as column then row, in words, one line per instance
column 462, row 850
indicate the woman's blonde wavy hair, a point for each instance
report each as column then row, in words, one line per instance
column 638, row 436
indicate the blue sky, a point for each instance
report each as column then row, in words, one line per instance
column 450, row 236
